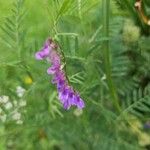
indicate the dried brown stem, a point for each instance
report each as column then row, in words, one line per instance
column 138, row 6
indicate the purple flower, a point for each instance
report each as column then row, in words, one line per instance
column 52, row 70
column 63, row 95
column 45, row 51
column 61, row 85
column 67, row 96
column 79, row 102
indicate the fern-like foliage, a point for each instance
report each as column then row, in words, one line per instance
column 137, row 103
column 13, row 31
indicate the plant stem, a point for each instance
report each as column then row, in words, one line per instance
column 106, row 52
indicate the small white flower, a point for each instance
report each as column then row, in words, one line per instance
column 3, row 118
column 15, row 103
column 22, row 103
column 103, row 77
column 8, row 105
column 19, row 122
column 4, row 99
column 20, row 91
column 16, row 116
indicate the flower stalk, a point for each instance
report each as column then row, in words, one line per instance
column 106, row 53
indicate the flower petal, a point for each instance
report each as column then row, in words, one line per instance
column 42, row 54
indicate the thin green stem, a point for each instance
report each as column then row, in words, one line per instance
column 64, row 63
column 106, row 52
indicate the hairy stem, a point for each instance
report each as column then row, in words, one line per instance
column 106, row 52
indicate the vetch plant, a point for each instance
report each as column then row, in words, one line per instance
column 67, row 95
column 109, row 56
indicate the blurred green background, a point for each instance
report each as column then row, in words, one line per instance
column 116, row 92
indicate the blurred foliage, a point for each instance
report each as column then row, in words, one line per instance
column 39, row 120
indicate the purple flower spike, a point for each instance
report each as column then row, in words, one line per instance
column 67, row 96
